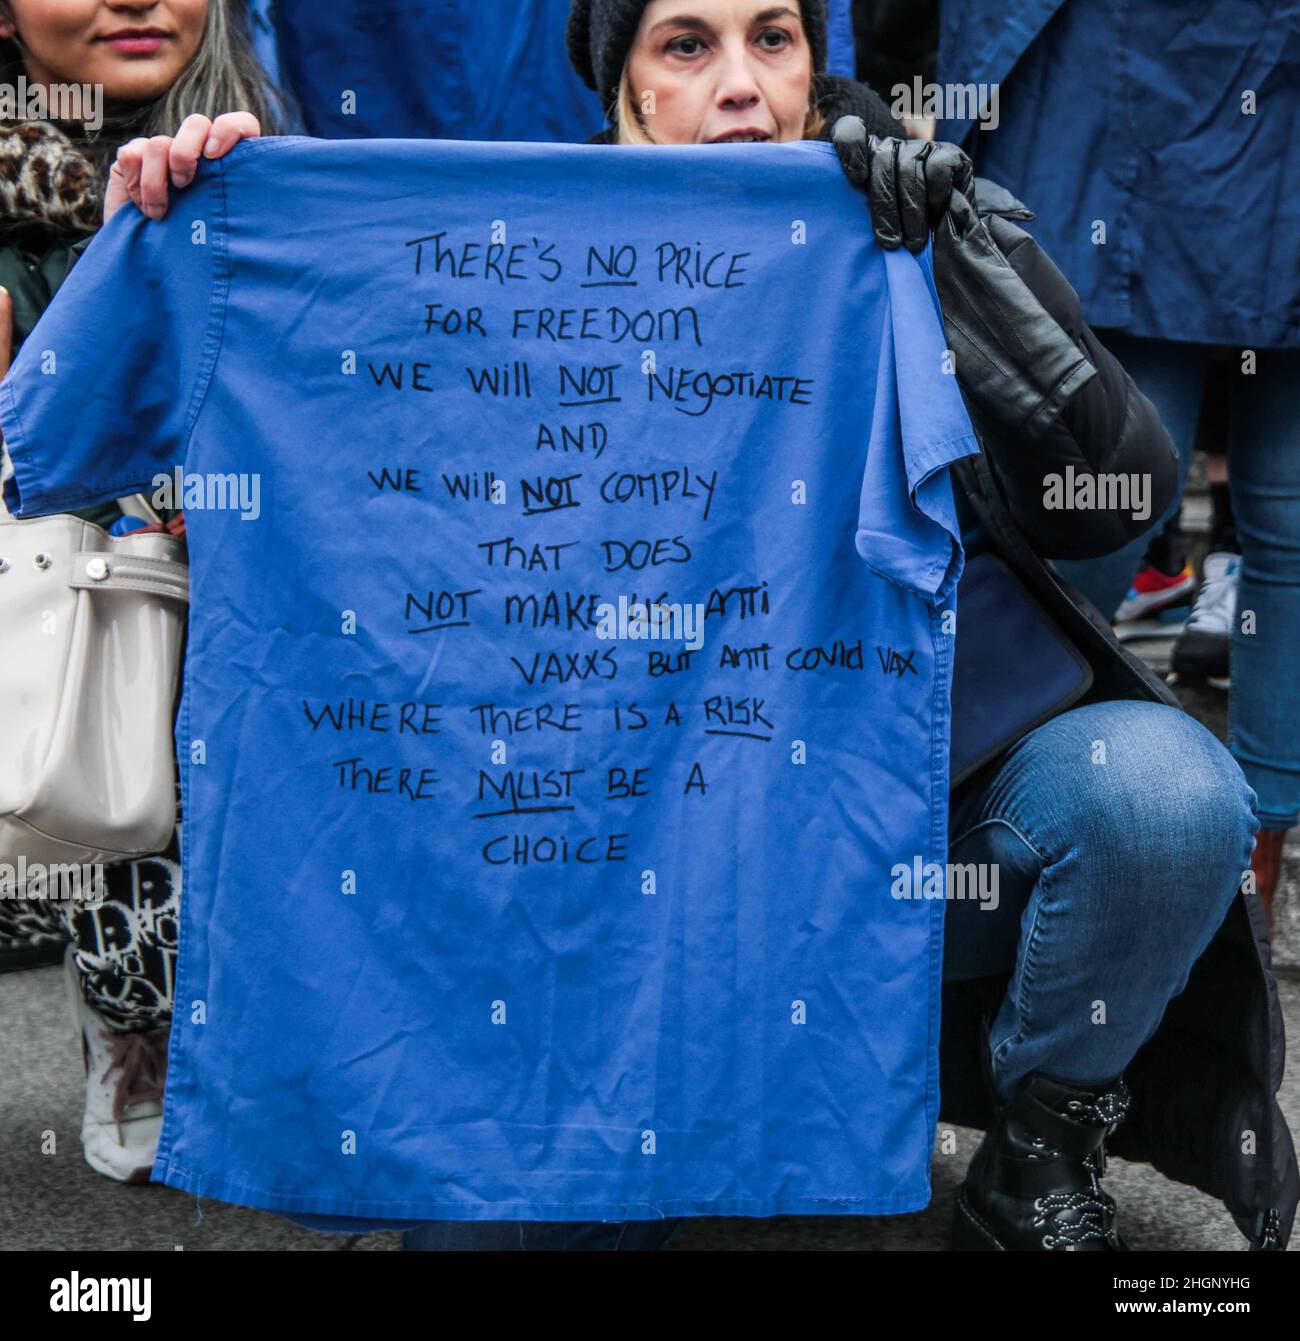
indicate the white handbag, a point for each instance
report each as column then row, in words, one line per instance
column 91, row 634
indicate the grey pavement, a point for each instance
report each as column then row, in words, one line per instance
column 56, row 1201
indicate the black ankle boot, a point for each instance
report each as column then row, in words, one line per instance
column 1032, row 1186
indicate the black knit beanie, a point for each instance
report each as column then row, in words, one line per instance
column 601, row 33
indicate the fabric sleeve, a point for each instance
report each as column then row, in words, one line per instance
column 105, row 390
column 908, row 529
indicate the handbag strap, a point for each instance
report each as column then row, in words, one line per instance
column 94, row 570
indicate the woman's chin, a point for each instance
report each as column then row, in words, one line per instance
column 138, row 84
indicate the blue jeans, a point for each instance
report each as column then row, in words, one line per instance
column 1119, row 833
column 1264, row 470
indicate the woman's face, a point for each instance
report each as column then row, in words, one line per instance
column 135, row 49
column 721, row 71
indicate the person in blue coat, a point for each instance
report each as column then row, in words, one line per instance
column 364, row 71
column 1155, row 142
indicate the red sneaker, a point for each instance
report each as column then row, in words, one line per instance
column 1153, row 591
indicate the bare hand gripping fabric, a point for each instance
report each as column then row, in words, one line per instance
column 565, row 731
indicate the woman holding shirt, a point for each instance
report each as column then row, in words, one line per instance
column 1113, row 887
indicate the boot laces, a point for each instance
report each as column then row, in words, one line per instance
column 1092, row 1215
column 1105, row 1110
column 140, row 1059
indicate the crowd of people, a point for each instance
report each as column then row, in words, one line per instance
column 1128, row 217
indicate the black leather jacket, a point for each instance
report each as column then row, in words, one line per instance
column 1212, row 1070
column 1046, row 397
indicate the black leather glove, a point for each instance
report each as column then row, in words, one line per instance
column 908, row 183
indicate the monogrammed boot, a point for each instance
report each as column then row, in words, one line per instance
column 1033, row 1184
column 124, row 1089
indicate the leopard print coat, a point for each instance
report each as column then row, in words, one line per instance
column 44, row 177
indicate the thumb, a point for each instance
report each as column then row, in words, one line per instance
column 6, row 330
column 849, row 135
column 118, row 192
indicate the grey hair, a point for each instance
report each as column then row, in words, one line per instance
column 224, row 76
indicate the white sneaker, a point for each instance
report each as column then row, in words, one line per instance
column 124, row 1088
column 1202, row 654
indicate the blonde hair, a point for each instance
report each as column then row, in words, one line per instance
column 630, row 129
